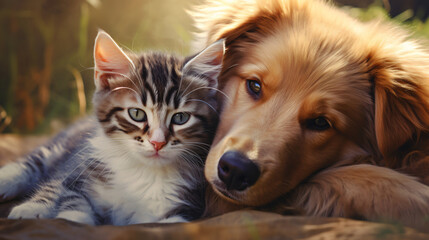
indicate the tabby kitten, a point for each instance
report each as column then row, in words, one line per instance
column 140, row 158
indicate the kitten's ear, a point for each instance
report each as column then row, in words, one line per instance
column 207, row 63
column 109, row 60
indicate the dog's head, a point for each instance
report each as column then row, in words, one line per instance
column 309, row 88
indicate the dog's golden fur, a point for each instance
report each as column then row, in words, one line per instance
column 368, row 79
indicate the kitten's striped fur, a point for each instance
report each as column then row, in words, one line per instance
column 119, row 168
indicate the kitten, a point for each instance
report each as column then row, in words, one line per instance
column 140, row 158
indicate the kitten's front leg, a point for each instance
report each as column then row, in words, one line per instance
column 23, row 175
column 42, row 204
column 75, row 207
column 17, row 178
column 32, row 209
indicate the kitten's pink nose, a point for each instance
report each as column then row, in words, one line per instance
column 157, row 145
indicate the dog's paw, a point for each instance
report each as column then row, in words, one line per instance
column 29, row 210
column 366, row 192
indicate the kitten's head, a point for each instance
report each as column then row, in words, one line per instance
column 158, row 108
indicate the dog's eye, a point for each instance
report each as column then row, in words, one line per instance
column 254, row 87
column 318, row 124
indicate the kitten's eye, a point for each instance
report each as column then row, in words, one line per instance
column 137, row 114
column 254, row 87
column 180, row 118
column 318, row 124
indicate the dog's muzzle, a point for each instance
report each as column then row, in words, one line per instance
column 237, row 171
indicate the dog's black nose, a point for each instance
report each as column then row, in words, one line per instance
column 237, row 171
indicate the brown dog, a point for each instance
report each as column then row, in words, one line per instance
column 319, row 109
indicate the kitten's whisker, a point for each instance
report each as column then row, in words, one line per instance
column 123, row 75
column 192, row 153
column 128, row 49
column 189, row 84
column 93, row 169
column 80, row 164
column 120, row 88
column 180, row 84
column 83, row 170
column 203, row 147
column 186, row 88
column 187, row 164
column 199, row 100
column 199, row 143
column 199, row 75
column 184, row 73
column 212, row 88
column 139, row 78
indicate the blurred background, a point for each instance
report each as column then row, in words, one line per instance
column 46, row 48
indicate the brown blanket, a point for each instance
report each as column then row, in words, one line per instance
column 235, row 225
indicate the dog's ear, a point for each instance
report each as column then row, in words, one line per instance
column 224, row 20
column 401, row 95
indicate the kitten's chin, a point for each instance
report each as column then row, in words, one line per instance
column 154, row 160
column 158, row 162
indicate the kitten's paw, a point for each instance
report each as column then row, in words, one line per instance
column 76, row 216
column 173, row 219
column 13, row 181
column 30, row 210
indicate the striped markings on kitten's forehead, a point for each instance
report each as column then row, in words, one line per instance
column 164, row 72
column 161, row 78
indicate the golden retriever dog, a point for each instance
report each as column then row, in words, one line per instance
column 322, row 113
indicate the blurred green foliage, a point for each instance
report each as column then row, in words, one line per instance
column 419, row 28
column 46, row 46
